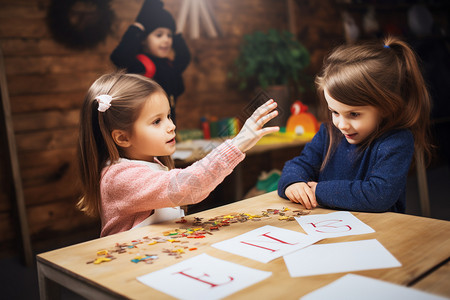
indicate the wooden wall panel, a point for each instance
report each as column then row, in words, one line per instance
column 21, row 104
column 46, row 165
column 46, row 46
column 47, row 140
column 58, row 83
column 46, row 120
column 55, row 217
column 57, row 64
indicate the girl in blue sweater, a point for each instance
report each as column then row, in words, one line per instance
column 378, row 116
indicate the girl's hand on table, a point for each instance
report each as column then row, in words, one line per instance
column 301, row 192
column 312, row 185
column 253, row 130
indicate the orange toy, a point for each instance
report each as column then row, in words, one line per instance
column 301, row 121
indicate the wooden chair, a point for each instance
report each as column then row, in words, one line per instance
column 421, row 173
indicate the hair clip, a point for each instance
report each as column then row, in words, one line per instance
column 104, row 102
column 386, row 46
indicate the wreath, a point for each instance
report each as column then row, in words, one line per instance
column 80, row 24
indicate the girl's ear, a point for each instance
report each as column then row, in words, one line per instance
column 121, row 138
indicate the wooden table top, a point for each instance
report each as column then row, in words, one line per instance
column 420, row 244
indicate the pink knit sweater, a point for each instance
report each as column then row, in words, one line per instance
column 130, row 190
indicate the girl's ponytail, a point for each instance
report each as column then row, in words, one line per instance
column 90, row 149
column 416, row 113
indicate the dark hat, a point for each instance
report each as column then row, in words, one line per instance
column 153, row 15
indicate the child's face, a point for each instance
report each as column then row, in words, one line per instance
column 153, row 132
column 159, row 42
column 356, row 123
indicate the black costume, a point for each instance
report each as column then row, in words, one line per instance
column 129, row 54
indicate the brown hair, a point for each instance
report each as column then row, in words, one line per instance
column 96, row 147
column 383, row 75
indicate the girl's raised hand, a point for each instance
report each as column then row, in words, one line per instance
column 253, row 130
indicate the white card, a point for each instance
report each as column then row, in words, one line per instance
column 334, row 224
column 266, row 243
column 356, row 287
column 203, row 277
column 339, row 257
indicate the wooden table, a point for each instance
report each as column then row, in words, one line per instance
column 422, row 245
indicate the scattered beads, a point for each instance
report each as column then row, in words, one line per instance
column 199, row 230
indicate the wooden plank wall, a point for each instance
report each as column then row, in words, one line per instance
column 47, row 82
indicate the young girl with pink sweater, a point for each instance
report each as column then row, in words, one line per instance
column 126, row 141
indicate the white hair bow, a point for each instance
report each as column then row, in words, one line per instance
column 104, row 102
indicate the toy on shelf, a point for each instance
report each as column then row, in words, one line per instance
column 301, row 126
column 301, row 122
column 213, row 127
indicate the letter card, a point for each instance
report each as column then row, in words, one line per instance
column 340, row 257
column 266, row 243
column 334, row 224
column 356, row 287
column 203, row 277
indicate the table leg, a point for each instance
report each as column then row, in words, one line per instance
column 48, row 289
column 51, row 280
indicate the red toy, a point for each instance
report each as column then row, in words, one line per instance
column 301, row 121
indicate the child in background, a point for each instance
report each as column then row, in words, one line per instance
column 150, row 47
column 125, row 142
column 379, row 106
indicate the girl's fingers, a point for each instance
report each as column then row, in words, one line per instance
column 293, row 199
column 264, row 109
column 264, row 119
column 260, row 131
column 305, row 203
column 268, row 130
column 303, row 197
column 293, row 195
column 269, row 108
column 268, row 103
column 311, row 197
column 297, row 195
column 263, row 114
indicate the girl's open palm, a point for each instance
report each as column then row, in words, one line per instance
column 253, row 130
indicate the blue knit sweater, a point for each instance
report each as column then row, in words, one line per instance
column 373, row 180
